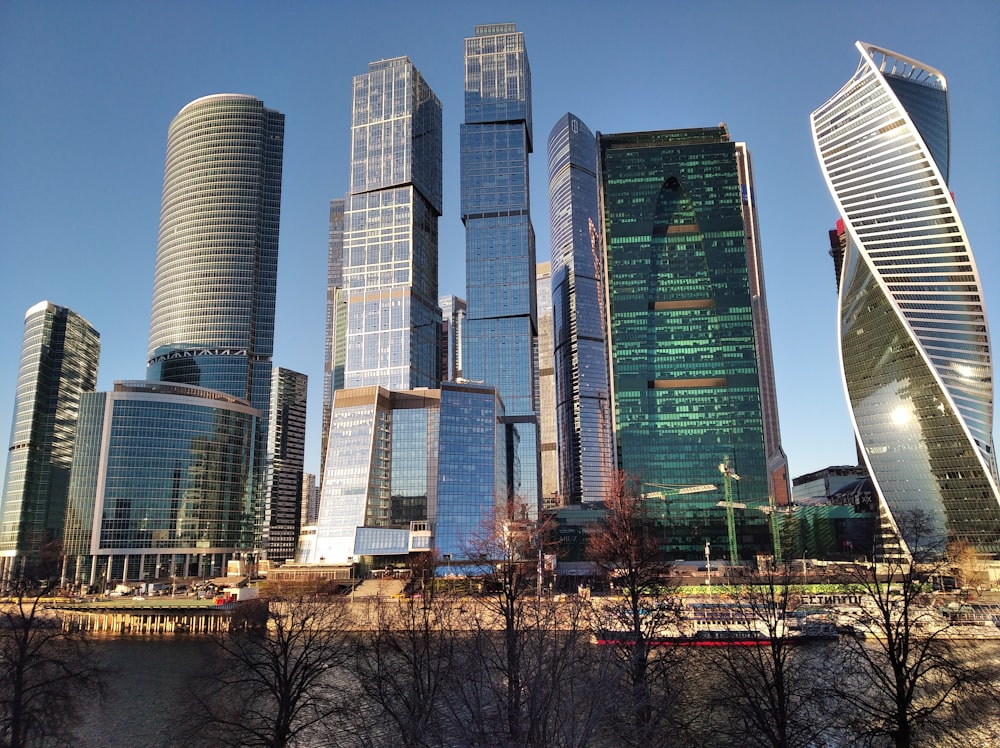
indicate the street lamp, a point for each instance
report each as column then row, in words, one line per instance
column 805, row 577
column 708, row 565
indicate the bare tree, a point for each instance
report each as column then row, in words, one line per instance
column 627, row 549
column 904, row 673
column 771, row 690
column 404, row 666
column 45, row 673
column 508, row 549
column 274, row 686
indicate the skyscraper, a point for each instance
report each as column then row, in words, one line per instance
column 391, row 230
column 334, row 349
column 390, row 256
column 548, row 452
column 914, row 342
column 217, row 256
column 689, row 352
column 453, row 311
column 58, row 364
column 170, row 474
column 286, row 442
column 500, row 342
column 583, row 395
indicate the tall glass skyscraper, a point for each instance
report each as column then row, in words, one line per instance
column 394, row 328
column 688, row 351
column 500, row 342
column 334, row 350
column 548, row 452
column 391, row 230
column 217, row 257
column 914, row 341
column 59, row 357
column 286, row 442
column 583, row 395
column 453, row 311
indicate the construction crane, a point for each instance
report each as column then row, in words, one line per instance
column 728, row 476
column 772, row 511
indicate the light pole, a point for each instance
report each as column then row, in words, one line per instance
column 708, row 565
column 805, row 578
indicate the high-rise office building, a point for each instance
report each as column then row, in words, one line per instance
column 310, row 500
column 689, row 352
column 286, row 442
column 394, row 328
column 334, row 349
column 501, row 328
column 410, row 464
column 162, row 483
column 453, row 311
column 58, row 365
column 914, row 341
column 177, row 477
column 217, row 257
column 583, row 395
column 391, row 230
column 549, row 464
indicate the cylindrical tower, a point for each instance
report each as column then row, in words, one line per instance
column 217, row 257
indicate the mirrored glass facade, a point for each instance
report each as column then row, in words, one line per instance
column 583, row 394
column 500, row 346
column 59, row 356
column 685, row 368
column 472, row 474
column 162, row 477
column 390, row 252
column 914, row 341
column 217, row 256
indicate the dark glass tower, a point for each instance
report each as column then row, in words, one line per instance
column 286, row 442
column 500, row 337
column 687, row 348
column 583, row 396
column 58, row 364
column 914, row 341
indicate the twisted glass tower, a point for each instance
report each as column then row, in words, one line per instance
column 914, row 342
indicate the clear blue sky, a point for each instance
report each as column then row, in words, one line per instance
column 87, row 91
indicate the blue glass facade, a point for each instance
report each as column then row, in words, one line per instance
column 684, row 348
column 390, row 253
column 472, row 473
column 583, row 394
column 59, row 356
column 162, row 482
column 914, row 342
column 500, row 346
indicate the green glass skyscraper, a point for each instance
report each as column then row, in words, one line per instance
column 690, row 347
column 58, row 364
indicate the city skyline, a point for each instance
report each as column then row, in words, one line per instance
column 80, row 234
